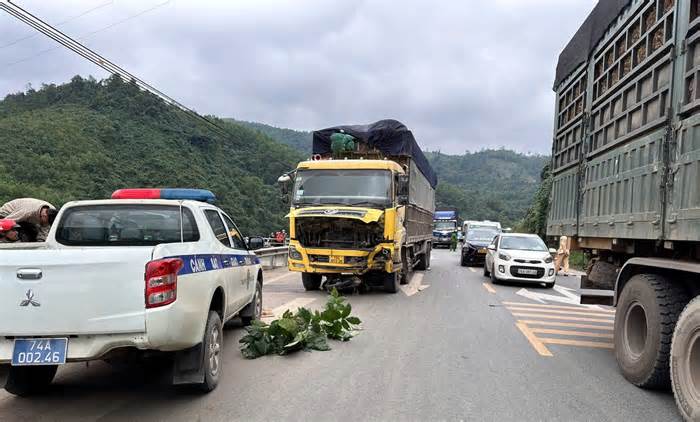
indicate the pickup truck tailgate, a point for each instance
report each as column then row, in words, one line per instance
column 72, row 291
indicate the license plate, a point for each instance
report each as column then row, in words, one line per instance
column 39, row 351
column 482, row 250
column 337, row 260
column 527, row 271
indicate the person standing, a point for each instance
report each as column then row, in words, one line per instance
column 563, row 255
column 40, row 214
column 453, row 242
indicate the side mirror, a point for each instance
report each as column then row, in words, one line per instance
column 492, row 247
column 255, row 243
column 283, row 183
column 552, row 251
column 402, row 189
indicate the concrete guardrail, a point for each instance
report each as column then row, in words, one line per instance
column 273, row 257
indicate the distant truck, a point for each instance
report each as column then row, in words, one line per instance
column 445, row 223
column 362, row 208
column 626, row 177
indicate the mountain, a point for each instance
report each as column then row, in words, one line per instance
column 299, row 140
column 87, row 138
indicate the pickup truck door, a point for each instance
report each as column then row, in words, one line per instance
column 246, row 259
column 232, row 272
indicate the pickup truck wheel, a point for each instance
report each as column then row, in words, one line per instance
column 29, row 380
column 311, row 281
column 212, row 348
column 253, row 310
column 645, row 318
column 685, row 361
column 392, row 282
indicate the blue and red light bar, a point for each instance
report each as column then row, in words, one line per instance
column 202, row 195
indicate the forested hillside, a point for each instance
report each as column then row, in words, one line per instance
column 86, row 138
column 496, row 185
column 297, row 139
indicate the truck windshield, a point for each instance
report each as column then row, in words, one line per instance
column 445, row 225
column 125, row 225
column 343, row 187
column 481, row 234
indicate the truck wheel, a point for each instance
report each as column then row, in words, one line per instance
column 391, row 282
column 424, row 260
column 253, row 310
column 644, row 321
column 29, row 380
column 311, row 281
column 212, row 346
column 685, row 361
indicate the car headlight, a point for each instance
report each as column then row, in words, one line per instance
column 294, row 253
column 548, row 260
column 503, row 256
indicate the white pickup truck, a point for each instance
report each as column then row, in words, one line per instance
column 133, row 274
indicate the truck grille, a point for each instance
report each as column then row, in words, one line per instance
column 514, row 271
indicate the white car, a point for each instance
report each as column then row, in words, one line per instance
column 519, row 257
column 153, row 272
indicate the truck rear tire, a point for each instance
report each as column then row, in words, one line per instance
column 29, row 380
column 644, row 322
column 212, row 348
column 424, row 260
column 685, row 361
column 392, row 282
column 311, row 281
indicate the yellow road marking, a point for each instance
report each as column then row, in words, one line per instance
column 291, row 305
column 567, row 324
column 553, row 311
column 570, row 333
column 567, row 342
column 534, row 341
column 573, row 308
column 526, row 315
column 489, row 288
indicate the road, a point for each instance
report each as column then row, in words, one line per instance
column 450, row 346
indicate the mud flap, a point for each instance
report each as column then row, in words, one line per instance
column 188, row 366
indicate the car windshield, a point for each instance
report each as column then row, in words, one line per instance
column 343, row 187
column 445, row 225
column 482, row 234
column 126, row 225
column 522, row 243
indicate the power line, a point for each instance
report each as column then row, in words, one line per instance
column 87, row 53
column 63, row 22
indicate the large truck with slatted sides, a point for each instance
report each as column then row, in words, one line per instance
column 361, row 209
column 626, row 182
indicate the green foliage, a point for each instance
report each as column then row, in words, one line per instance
column 493, row 185
column 302, row 330
column 578, row 260
column 87, row 138
column 535, row 220
column 299, row 140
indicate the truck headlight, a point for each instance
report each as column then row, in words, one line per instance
column 294, row 254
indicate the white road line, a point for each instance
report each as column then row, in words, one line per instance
column 292, row 305
column 278, row 278
column 415, row 285
column 472, row 269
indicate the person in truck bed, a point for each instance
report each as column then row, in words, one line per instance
column 30, row 211
column 9, row 231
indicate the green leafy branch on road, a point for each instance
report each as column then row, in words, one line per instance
column 302, row 330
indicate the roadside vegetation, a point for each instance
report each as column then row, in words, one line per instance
column 301, row 330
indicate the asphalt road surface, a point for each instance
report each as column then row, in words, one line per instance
column 449, row 346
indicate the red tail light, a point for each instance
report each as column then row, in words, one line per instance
column 161, row 281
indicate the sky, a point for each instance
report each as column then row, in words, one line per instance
column 463, row 75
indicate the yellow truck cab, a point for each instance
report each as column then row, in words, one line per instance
column 362, row 209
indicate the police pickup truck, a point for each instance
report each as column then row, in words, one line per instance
column 150, row 272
